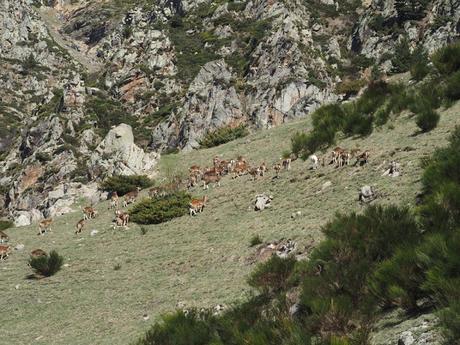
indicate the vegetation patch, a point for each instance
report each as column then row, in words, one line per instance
column 124, row 184
column 427, row 120
column 162, row 209
column 47, row 265
column 6, row 224
column 107, row 113
column 223, row 135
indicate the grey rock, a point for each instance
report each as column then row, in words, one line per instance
column 262, row 202
column 117, row 154
column 396, row 328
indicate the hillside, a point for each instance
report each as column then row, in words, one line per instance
column 175, row 70
column 114, row 278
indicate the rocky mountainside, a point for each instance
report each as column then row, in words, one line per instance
column 171, row 71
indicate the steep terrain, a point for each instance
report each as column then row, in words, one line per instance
column 96, row 88
column 114, row 279
column 176, row 70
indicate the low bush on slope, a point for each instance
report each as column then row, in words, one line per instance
column 387, row 256
column 162, row 209
column 126, row 184
column 223, row 135
column 47, row 265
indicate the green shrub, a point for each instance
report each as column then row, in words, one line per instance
column 350, row 87
column 223, row 135
column 356, row 122
column 420, row 67
column 47, row 265
column 335, row 280
column 159, row 210
column 6, row 224
column 450, row 320
column 125, row 184
column 427, row 120
column 108, row 112
column 255, row 240
column 447, row 59
column 299, row 143
column 397, row 281
column 430, row 93
column 272, row 275
column 236, row 6
column 179, row 328
column 402, row 58
column 42, row 157
column 452, row 90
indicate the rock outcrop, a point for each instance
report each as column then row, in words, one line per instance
column 117, row 154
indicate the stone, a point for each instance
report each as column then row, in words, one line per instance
column 60, row 207
column 117, row 154
column 406, row 338
column 19, row 247
column 262, row 202
column 326, row 185
column 367, row 194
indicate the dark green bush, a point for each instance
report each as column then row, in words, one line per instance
column 299, row 143
column 419, row 68
column 429, row 93
column 6, row 224
column 125, row 184
column 108, row 112
column 450, row 320
column 42, row 157
column 397, row 281
column 47, row 265
column 327, row 120
column 223, row 135
column 272, row 275
column 255, row 240
column 452, row 90
column 179, row 328
column 447, row 59
column 427, row 120
column 356, row 122
column 402, row 58
column 162, row 209
column 442, row 167
column 334, row 282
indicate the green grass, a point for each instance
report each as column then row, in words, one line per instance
column 201, row 261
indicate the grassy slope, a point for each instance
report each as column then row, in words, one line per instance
column 200, row 261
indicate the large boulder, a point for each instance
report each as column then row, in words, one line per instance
column 117, row 154
column 24, row 218
column 262, row 202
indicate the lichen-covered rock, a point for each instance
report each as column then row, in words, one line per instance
column 117, row 154
column 395, row 328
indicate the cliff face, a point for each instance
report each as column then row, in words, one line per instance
column 174, row 70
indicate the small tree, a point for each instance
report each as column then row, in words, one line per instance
column 272, row 275
column 419, row 67
column 47, row 265
column 402, row 58
column 427, row 120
